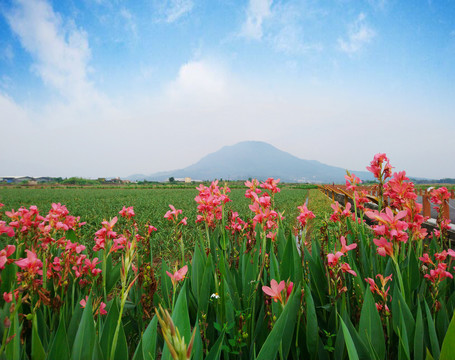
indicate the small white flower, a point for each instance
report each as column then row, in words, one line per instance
column 215, row 296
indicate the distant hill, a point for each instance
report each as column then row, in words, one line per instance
column 256, row 159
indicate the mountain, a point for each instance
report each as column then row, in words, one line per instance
column 256, row 159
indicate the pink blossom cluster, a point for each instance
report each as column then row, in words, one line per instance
column 382, row 292
column 210, row 202
column 173, row 215
column 275, row 290
column 339, row 213
column 389, row 227
column 380, row 167
column 402, row 194
column 439, row 271
column 333, row 259
column 236, row 224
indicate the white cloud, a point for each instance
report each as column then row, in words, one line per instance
column 359, row 34
column 175, row 9
column 60, row 51
column 256, row 13
column 7, row 53
column 130, row 24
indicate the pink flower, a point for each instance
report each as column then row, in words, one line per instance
column 332, row 259
column 271, row 184
column 8, row 297
column 384, row 247
column 127, row 212
column 304, row 215
column 83, row 302
column 275, row 290
column 31, row 263
column 344, row 248
column 346, row 268
column 5, row 253
column 352, row 181
column 289, row 287
column 380, row 167
column 6, row 229
column 426, row 259
column 173, row 213
column 178, row 276
column 151, row 229
column 102, row 309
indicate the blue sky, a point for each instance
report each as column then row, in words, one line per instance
column 111, row 88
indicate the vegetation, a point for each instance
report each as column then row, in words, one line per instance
column 254, row 285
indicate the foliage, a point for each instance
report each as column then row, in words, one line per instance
column 255, row 285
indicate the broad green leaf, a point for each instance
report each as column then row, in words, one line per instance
column 204, row 293
column 404, row 342
column 448, row 345
column 149, row 339
column 435, row 351
column 198, row 347
column 197, row 269
column 215, row 351
column 110, row 325
column 59, row 347
column 370, row 326
column 113, row 274
column 166, row 284
column 287, row 319
column 181, row 320
column 38, row 352
column 352, row 352
column 138, row 352
column 85, row 336
column 399, row 306
column 419, row 335
column 429, row 357
column 74, row 324
column 13, row 348
column 312, row 335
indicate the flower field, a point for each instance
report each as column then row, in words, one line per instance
column 212, row 273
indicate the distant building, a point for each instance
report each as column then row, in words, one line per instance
column 187, row 179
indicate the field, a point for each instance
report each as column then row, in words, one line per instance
column 94, row 205
column 208, row 273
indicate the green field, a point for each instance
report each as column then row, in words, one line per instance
column 94, row 205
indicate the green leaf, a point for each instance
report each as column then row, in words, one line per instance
column 74, row 324
column 215, row 351
column 59, row 347
column 287, row 319
column 85, row 336
column 181, row 320
column 38, row 352
column 149, row 339
column 113, row 274
column 352, row 352
column 107, row 335
column 370, row 326
column 404, row 342
column 312, row 335
column 435, row 351
column 399, row 306
column 108, row 331
column 204, row 293
column 429, row 357
column 197, row 269
column 419, row 336
column 448, row 345
column 166, row 284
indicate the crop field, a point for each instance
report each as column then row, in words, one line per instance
column 94, row 205
column 209, row 273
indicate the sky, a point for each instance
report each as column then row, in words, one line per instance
column 99, row 88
